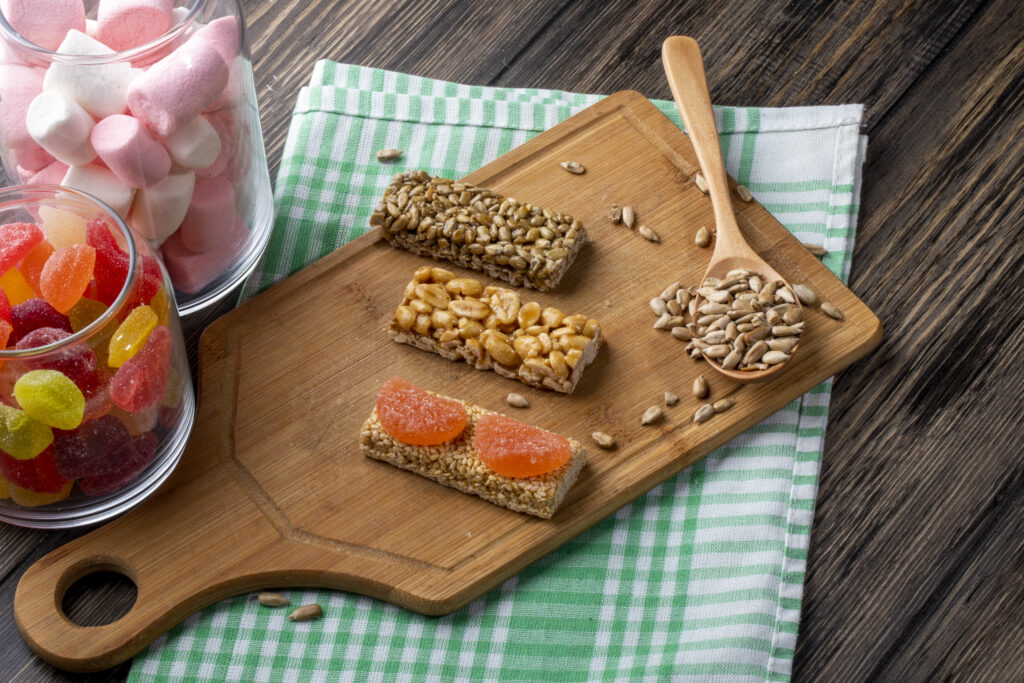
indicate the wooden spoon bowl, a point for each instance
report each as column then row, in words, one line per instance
column 684, row 68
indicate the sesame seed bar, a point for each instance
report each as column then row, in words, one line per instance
column 491, row 329
column 478, row 229
column 457, row 465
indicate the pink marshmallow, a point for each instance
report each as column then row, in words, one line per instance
column 191, row 271
column 224, row 35
column 211, row 213
column 44, row 22
column 19, row 85
column 130, row 151
column 51, row 175
column 61, row 127
column 179, row 87
column 126, row 24
column 159, row 209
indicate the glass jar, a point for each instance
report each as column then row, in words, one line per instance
column 96, row 400
column 166, row 132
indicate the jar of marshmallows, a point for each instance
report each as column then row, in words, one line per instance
column 149, row 106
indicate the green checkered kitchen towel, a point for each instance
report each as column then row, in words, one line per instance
column 701, row 578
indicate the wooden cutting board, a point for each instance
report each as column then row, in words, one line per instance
column 273, row 490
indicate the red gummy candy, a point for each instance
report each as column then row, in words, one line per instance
column 141, row 382
column 5, row 306
column 16, row 241
column 111, row 268
column 78, row 362
column 92, row 449
column 37, row 474
column 5, row 333
column 135, row 456
column 33, row 314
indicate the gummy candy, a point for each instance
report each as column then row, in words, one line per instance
column 77, row 362
column 111, row 268
column 136, row 455
column 32, row 265
column 417, row 417
column 21, row 435
column 5, row 489
column 17, row 240
column 66, row 275
column 84, row 313
column 50, row 397
column 91, row 449
column 33, row 314
column 137, row 423
column 62, row 228
column 28, row 498
column 514, row 449
column 160, row 306
column 5, row 333
column 37, row 474
column 5, row 307
column 141, row 382
column 131, row 335
column 97, row 398
column 15, row 287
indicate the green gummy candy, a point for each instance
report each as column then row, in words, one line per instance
column 50, row 397
column 21, row 436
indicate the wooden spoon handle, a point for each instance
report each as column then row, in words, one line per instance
column 684, row 68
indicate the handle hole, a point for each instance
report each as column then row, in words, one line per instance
column 99, row 598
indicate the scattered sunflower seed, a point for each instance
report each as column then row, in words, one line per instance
column 574, row 167
column 805, row 294
column 704, row 413
column 703, row 237
column 652, row 415
column 723, row 404
column 815, row 249
column 702, row 184
column 603, row 440
column 700, row 387
column 658, row 306
column 268, row 599
column 648, row 234
column 671, row 399
column 388, row 154
column 517, row 400
column 306, row 612
column 615, row 214
column 628, row 217
column 830, row 309
column 744, row 193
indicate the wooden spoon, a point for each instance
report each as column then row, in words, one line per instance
column 684, row 68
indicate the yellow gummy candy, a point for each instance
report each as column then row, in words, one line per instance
column 160, row 305
column 22, row 436
column 17, row 289
column 84, row 313
column 131, row 335
column 50, row 397
column 30, row 499
column 62, row 228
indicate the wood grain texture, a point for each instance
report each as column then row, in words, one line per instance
column 915, row 564
column 273, row 489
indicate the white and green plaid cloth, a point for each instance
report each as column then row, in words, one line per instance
column 701, row 578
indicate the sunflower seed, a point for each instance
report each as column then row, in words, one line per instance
column 682, row 333
column 744, row 193
column 774, row 357
column 306, row 612
column 674, row 308
column 517, row 400
column 658, row 306
column 648, row 234
column 268, row 599
column 652, row 415
column 662, row 323
column 815, row 249
column 702, row 184
column 703, row 237
column 805, row 294
column 628, row 217
column 670, row 291
column 700, row 387
column 732, row 360
column 603, row 440
column 830, row 309
column 615, row 214
column 388, row 154
column 717, row 351
column 671, row 399
column 704, row 413
column 574, row 167
column 723, row 404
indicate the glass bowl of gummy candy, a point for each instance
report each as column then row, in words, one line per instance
column 149, row 105
column 96, row 400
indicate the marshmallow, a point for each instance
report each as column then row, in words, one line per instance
column 207, row 225
column 61, row 127
column 189, row 271
column 179, row 87
column 130, row 151
column 101, row 183
column 44, row 22
column 224, row 35
column 49, row 175
column 99, row 88
column 194, row 145
column 19, row 85
column 159, row 209
column 223, row 121
column 126, row 24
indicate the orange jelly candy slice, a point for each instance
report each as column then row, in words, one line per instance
column 514, row 449
column 417, row 417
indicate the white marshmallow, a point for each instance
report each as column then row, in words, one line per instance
column 194, row 145
column 160, row 208
column 100, row 89
column 61, row 127
column 101, row 183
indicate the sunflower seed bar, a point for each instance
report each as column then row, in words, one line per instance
column 457, row 465
column 491, row 329
column 478, row 229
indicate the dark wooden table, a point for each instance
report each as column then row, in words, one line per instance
column 916, row 566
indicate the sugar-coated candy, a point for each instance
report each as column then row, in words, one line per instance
column 37, row 474
column 29, row 498
column 131, row 335
column 77, row 362
column 50, row 397
column 136, row 455
column 137, row 423
column 66, row 275
column 126, row 24
column 111, row 268
column 17, row 289
column 5, row 307
column 63, row 228
column 84, row 313
column 16, row 241
column 5, row 333
column 91, row 449
column 175, row 389
column 44, row 22
column 142, row 381
column 32, row 265
column 97, row 400
column 33, row 314
column 21, row 435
